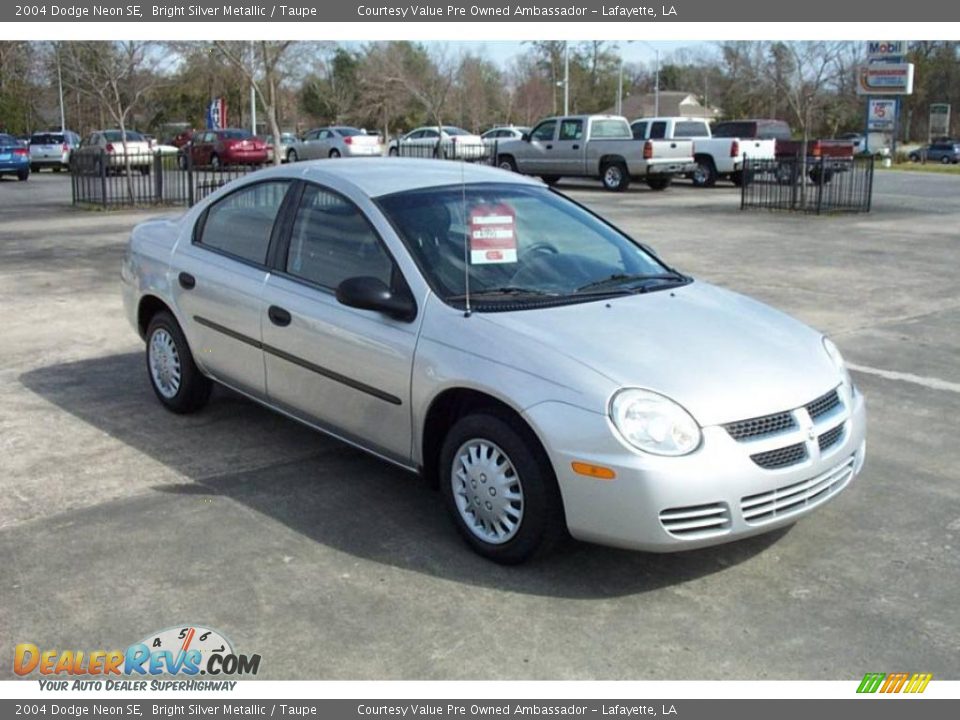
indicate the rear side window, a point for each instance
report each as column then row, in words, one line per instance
column 690, row 129
column 332, row 241
column 639, row 130
column 241, row 223
column 658, row 130
column 610, row 129
column 571, row 130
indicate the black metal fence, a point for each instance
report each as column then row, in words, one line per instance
column 813, row 185
column 481, row 153
column 112, row 180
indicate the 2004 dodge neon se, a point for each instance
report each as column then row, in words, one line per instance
column 554, row 375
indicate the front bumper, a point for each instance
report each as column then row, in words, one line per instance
column 717, row 494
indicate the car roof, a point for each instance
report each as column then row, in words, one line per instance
column 383, row 176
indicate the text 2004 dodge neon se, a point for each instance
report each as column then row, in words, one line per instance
column 470, row 324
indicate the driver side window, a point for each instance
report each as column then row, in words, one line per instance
column 544, row 131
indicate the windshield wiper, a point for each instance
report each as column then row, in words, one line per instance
column 507, row 290
column 612, row 283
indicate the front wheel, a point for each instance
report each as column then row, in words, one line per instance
column 393, row 152
column 550, row 180
column 615, row 177
column 23, row 175
column 292, row 156
column 175, row 378
column 505, row 162
column 500, row 489
column 945, row 160
column 215, row 162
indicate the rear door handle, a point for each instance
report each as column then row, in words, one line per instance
column 673, row 145
column 549, row 147
column 576, row 147
column 278, row 316
column 187, row 281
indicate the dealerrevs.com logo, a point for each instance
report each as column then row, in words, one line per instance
column 185, row 651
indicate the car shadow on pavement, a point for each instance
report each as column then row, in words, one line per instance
column 336, row 495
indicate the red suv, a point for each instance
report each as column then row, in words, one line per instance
column 232, row 146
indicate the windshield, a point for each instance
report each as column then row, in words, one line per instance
column 235, row 134
column 8, row 141
column 524, row 243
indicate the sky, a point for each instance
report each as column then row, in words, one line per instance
column 637, row 51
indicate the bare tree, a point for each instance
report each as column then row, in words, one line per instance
column 427, row 77
column 260, row 63
column 118, row 76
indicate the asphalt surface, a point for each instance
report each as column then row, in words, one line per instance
column 118, row 518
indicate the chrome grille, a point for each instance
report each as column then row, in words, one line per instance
column 781, row 457
column 823, row 404
column 696, row 520
column 766, row 425
column 830, row 437
column 789, row 499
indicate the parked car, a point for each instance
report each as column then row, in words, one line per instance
column 944, row 151
column 874, row 145
column 339, row 141
column 287, row 148
column 560, row 388
column 715, row 158
column 14, row 157
column 104, row 150
column 446, row 141
column 232, row 146
column 596, row 146
column 52, row 149
column 182, row 138
column 504, row 132
column 760, row 129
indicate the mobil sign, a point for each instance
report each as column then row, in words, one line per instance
column 886, row 50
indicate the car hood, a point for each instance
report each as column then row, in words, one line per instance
column 721, row 355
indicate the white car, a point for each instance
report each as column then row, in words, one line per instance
column 446, row 141
column 505, row 132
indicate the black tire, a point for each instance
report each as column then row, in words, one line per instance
column 23, row 175
column 215, row 163
column 706, row 173
column 144, row 169
column 550, row 180
column 57, row 168
column 194, row 389
column 818, row 177
column 542, row 524
column 914, row 158
column 393, row 152
column 35, row 168
column 506, row 162
column 659, row 182
column 737, row 178
column 615, row 176
column 945, row 160
column 292, row 156
column 334, row 154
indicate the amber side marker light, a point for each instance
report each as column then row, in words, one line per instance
column 594, row 471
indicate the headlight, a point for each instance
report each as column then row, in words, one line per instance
column 841, row 366
column 654, row 423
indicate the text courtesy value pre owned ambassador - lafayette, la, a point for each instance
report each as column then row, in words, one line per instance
column 549, row 372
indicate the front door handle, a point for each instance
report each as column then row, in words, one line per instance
column 576, row 147
column 187, row 281
column 278, row 316
column 549, row 147
column 673, row 145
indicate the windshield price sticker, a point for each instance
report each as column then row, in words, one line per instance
column 493, row 236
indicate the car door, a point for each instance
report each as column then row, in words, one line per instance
column 535, row 158
column 217, row 277
column 568, row 150
column 341, row 368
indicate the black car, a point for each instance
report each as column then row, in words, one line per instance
column 945, row 151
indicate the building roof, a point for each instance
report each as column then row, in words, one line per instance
column 673, row 103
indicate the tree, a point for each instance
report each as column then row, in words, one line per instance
column 118, row 76
column 260, row 63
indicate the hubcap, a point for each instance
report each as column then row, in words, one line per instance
column 164, row 363
column 700, row 174
column 612, row 176
column 487, row 491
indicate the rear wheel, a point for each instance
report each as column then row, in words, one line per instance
column 550, row 179
column 945, row 160
column 706, row 173
column 35, row 168
column 23, row 175
column 393, row 152
column 500, row 489
column 174, row 376
column 292, row 156
column 144, row 169
column 659, row 182
column 505, row 162
column 615, row 176
column 334, row 153
column 215, row 162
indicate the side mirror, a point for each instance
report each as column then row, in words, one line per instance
column 525, row 137
column 369, row 293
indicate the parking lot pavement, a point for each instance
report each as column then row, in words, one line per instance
column 118, row 518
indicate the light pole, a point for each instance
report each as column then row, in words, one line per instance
column 656, row 81
column 63, row 121
column 566, row 78
column 620, row 83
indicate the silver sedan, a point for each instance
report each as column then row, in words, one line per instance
column 339, row 141
column 549, row 373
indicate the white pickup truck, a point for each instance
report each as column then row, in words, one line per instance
column 596, row 146
column 715, row 157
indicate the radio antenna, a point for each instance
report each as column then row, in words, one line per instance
column 466, row 239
